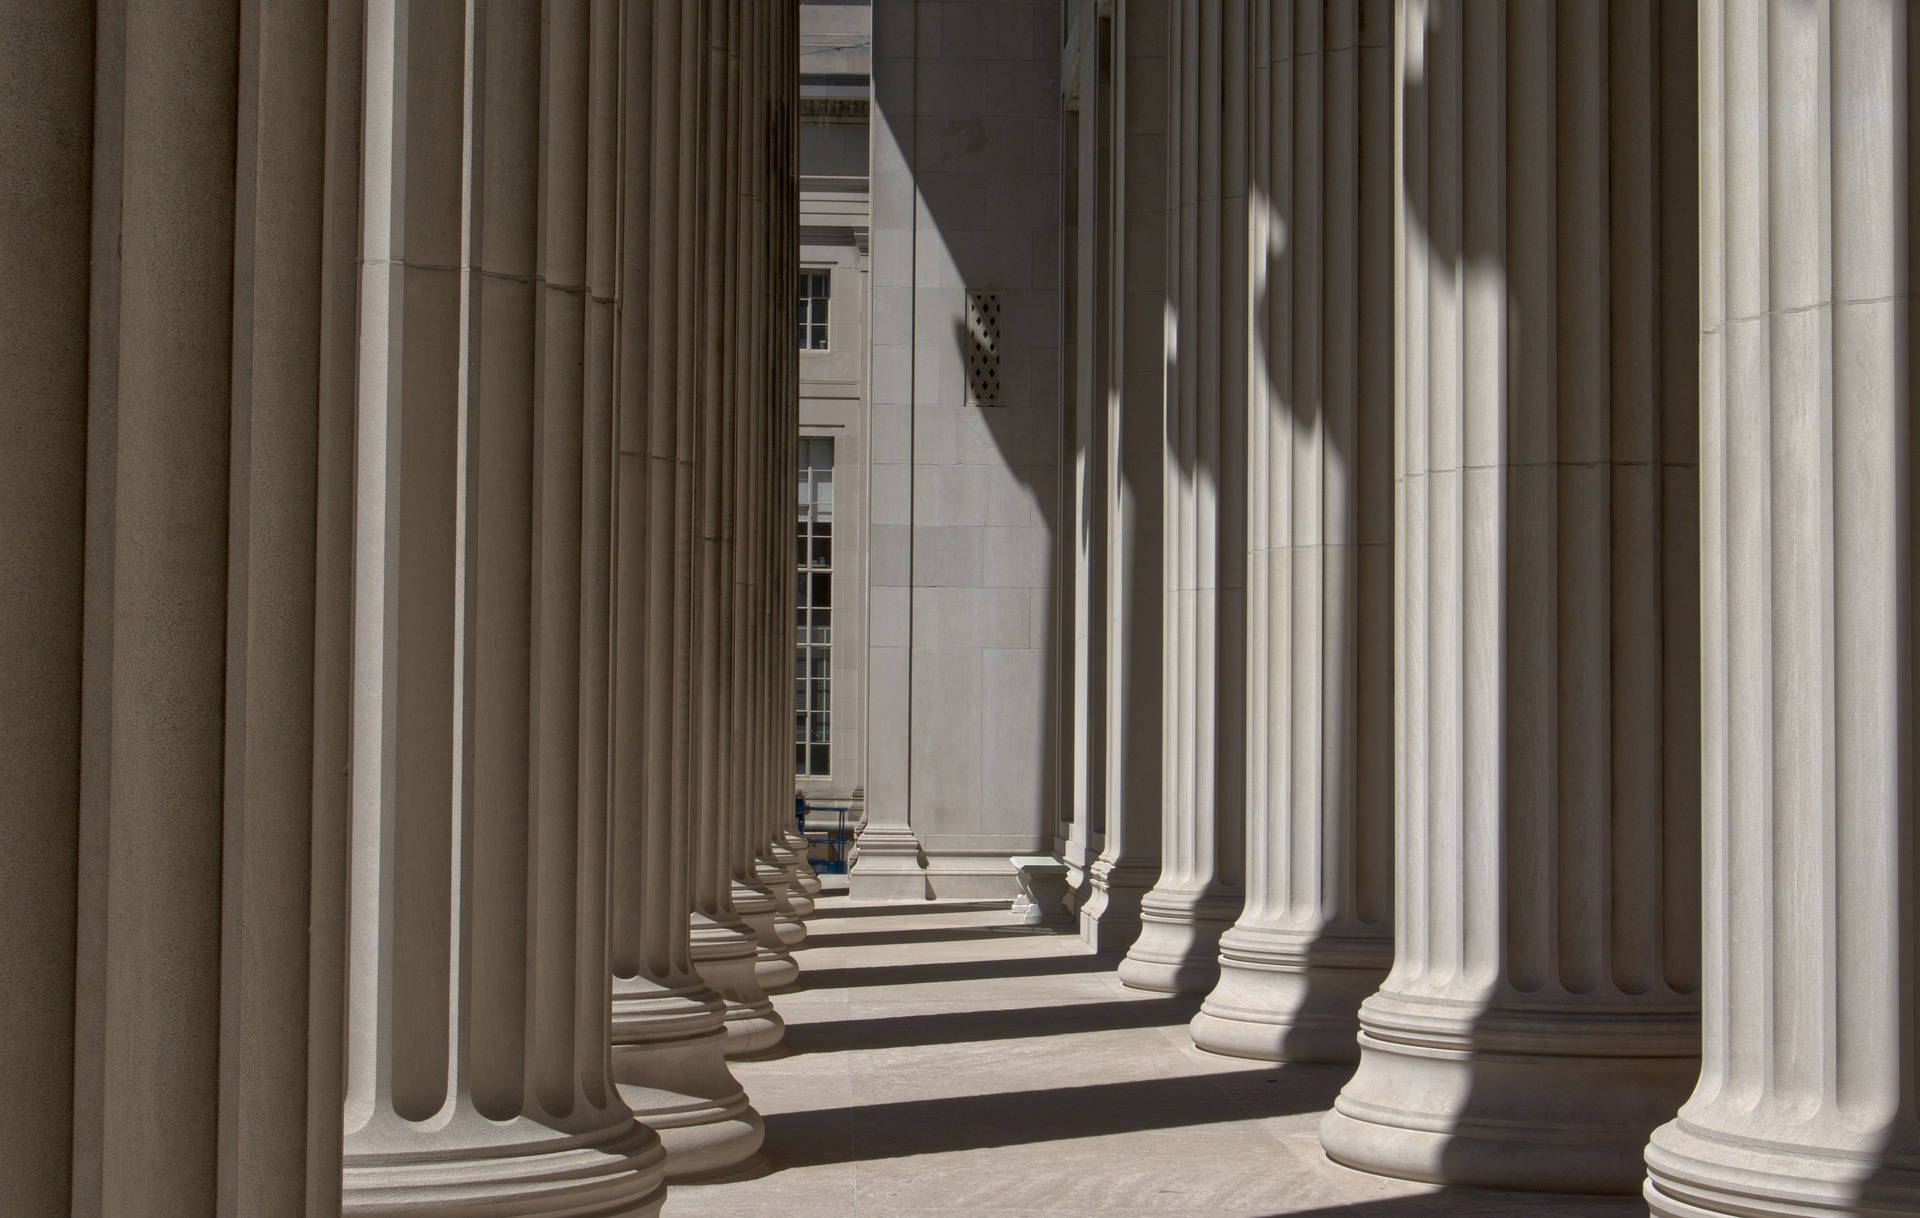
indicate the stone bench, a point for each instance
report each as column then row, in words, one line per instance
column 1043, row 890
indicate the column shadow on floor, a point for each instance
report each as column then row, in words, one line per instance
column 916, row 909
column 1013, row 1118
column 955, row 970
column 955, row 1027
column 937, row 934
column 1479, row 1203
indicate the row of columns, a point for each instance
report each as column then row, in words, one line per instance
column 1529, row 392
column 399, row 408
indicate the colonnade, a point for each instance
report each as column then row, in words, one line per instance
column 399, row 417
column 1533, row 425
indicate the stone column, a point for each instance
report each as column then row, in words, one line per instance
column 765, row 351
column 1540, row 1014
column 1203, row 713
column 165, row 405
column 1315, row 936
column 1806, row 1098
column 477, row 1065
column 1084, row 550
column 725, row 948
column 781, row 261
column 1129, row 858
column 48, row 59
column 668, row 1027
column 759, row 887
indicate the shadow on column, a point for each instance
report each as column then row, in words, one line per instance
column 1559, row 1076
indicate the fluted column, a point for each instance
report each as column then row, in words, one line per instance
column 1806, row 1101
column 766, row 353
column 1204, row 627
column 1129, row 859
column 759, row 887
column 166, row 403
column 1315, row 937
column 1090, row 305
column 668, row 1030
column 725, row 948
column 1540, row 1017
column 477, row 1067
column 781, row 261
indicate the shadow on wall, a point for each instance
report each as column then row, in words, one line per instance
column 988, row 185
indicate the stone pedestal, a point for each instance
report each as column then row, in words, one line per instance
column 1806, row 1099
column 1043, row 891
column 1540, row 1013
column 1315, row 936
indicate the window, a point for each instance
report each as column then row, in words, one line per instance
column 814, row 289
column 813, row 612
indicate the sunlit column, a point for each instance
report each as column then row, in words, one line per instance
column 477, row 1067
column 1806, row 1098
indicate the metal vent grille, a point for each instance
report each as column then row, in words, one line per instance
column 983, row 349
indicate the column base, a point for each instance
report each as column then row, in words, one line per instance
column 1110, row 919
column 1178, row 946
column 670, row 1064
column 772, row 967
column 724, row 955
column 1557, row 1100
column 890, row 867
column 1695, row 1171
column 474, row 1167
column 1284, row 996
column 809, row 882
column 797, row 904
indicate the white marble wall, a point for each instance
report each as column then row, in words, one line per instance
column 964, row 707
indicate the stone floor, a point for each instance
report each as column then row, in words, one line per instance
column 940, row 1060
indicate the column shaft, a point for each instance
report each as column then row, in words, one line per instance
column 1203, row 787
column 668, row 1032
column 725, row 947
column 1540, row 1013
column 1315, row 936
column 1129, row 858
column 477, row 1060
column 44, row 247
column 1806, row 1101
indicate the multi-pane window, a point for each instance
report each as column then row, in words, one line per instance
column 814, row 287
column 813, row 611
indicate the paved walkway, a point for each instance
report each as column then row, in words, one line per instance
column 940, row 1060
